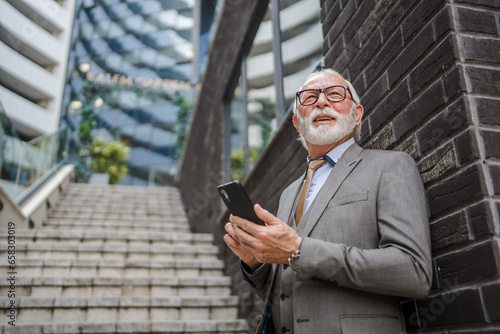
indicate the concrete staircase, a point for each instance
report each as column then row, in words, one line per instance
column 112, row 259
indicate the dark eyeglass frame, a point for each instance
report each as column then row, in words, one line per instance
column 323, row 90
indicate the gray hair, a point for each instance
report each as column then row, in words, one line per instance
column 355, row 96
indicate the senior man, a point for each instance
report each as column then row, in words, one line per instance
column 351, row 236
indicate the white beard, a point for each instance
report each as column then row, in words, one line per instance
column 326, row 134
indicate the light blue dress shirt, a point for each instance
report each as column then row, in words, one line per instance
column 322, row 173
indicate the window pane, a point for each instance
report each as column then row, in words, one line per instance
column 115, row 30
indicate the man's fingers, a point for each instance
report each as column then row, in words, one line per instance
column 230, row 241
column 264, row 215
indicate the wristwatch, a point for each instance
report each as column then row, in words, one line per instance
column 293, row 259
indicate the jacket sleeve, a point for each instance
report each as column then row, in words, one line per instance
column 259, row 279
column 401, row 264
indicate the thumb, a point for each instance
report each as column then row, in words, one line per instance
column 264, row 215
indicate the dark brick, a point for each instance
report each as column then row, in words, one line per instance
column 449, row 232
column 491, row 141
column 491, row 296
column 484, row 81
column 484, row 50
column 479, row 21
column 470, row 264
column 456, row 191
column 453, row 84
column 375, row 93
column 348, row 53
column 394, row 16
column 423, row 12
column 481, row 220
column 382, row 140
column 334, row 53
column 358, row 83
column 322, row 14
column 409, row 146
column 367, row 27
column 495, row 176
column 411, row 53
column 437, row 61
column 450, row 308
column 442, row 127
column 443, row 22
column 365, row 132
column 410, row 314
column 466, row 147
column 363, row 16
column 341, row 21
column 438, row 164
column 365, row 53
column 487, row 3
column 419, row 109
column 393, row 102
column 331, row 15
column 488, row 111
column 385, row 54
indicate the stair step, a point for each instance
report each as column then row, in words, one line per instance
column 118, row 286
column 117, row 225
column 100, row 267
column 115, row 259
column 115, row 250
column 136, row 217
column 98, row 236
column 121, row 327
column 125, row 308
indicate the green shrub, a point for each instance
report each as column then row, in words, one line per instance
column 109, row 156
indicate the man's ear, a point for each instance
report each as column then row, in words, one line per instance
column 296, row 122
column 359, row 113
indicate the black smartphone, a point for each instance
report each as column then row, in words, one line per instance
column 237, row 201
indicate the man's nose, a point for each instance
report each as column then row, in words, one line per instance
column 322, row 101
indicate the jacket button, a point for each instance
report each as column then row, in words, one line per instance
column 283, row 297
column 284, row 329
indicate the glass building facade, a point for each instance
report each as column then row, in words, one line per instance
column 133, row 62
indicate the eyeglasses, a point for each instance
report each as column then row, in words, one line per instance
column 335, row 93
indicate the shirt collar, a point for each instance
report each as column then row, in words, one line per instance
column 334, row 155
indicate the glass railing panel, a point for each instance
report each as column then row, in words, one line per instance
column 26, row 165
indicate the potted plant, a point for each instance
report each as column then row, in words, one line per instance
column 109, row 156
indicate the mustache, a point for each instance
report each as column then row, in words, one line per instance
column 325, row 111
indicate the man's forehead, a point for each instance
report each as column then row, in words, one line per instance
column 324, row 80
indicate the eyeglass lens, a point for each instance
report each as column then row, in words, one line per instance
column 333, row 94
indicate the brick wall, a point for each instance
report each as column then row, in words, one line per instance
column 428, row 73
column 428, row 76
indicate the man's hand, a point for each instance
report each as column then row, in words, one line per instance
column 256, row 244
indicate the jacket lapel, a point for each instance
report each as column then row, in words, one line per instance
column 342, row 169
column 289, row 201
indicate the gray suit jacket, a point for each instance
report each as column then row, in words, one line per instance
column 366, row 243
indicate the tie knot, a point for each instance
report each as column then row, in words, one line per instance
column 315, row 164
